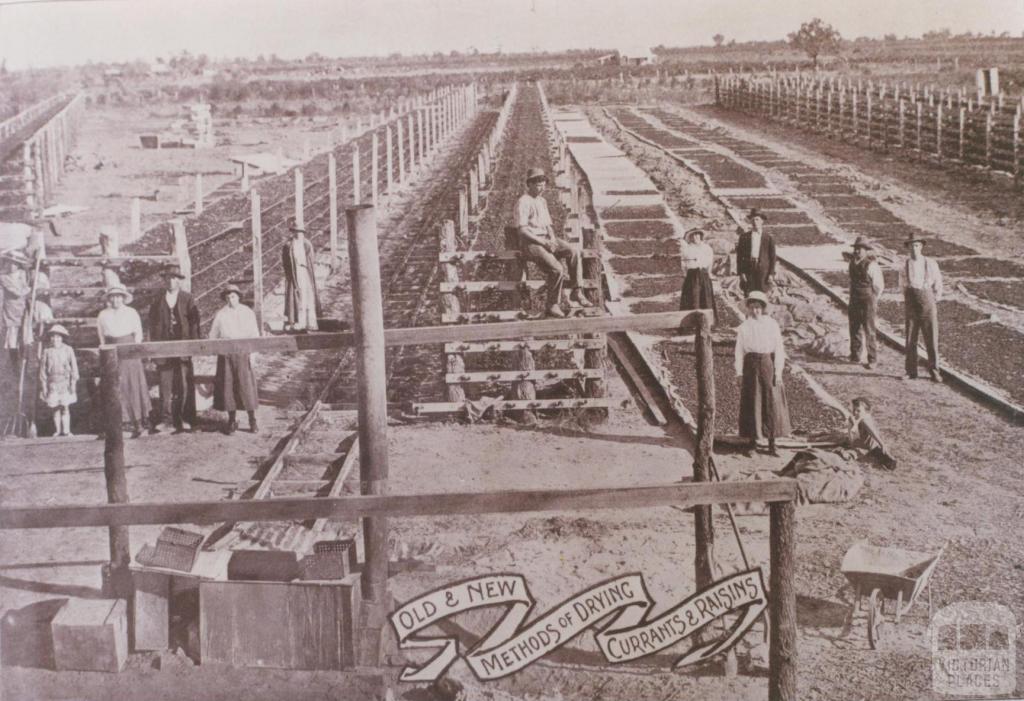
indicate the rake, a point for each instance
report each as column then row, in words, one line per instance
column 22, row 424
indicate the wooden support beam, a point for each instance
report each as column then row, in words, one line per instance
column 618, row 349
column 332, row 203
column 502, row 285
column 451, row 306
column 389, row 147
column 368, row 312
column 113, row 470
column 463, row 256
column 703, row 525
column 682, row 495
column 96, row 261
column 374, row 174
column 512, row 346
column 518, row 405
column 401, row 151
column 782, row 653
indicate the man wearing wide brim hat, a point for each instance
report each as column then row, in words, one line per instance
column 698, row 291
column 755, row 255
column 561, row 262
column 301, row 296
column 866, row 286
column 921, row 282
column 234, row 385
column 173, row 316
column 14, row 289
column 760, row 359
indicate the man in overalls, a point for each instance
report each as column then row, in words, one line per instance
column 922, row 288
column 866, row 286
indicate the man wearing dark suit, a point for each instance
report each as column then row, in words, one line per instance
column 173, row 316
column 755, row 255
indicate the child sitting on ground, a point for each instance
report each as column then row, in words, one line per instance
column 58, row 374
column 863, row 434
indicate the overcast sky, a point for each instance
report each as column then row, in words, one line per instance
column 74, row 31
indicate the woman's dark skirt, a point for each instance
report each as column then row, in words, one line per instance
column 235, row 384
column 698, row 292
column 763, row 409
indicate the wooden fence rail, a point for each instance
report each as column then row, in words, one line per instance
column 947, row 127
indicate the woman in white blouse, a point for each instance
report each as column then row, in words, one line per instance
column 760, row 361
column 698, row 292
column 235, row 383
column 119, row 323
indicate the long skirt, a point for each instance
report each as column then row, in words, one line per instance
column 235, row 383
column 134, row 389
column 698, row 292
column 763, row 409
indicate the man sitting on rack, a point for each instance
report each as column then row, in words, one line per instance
column 539, row 244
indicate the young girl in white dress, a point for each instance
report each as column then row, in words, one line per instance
column 58, row 375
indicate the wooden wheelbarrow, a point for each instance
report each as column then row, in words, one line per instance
column 887, row 574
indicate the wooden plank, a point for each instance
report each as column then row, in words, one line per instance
column 292, row 443
column 417, row 335
column 96, row 261
column 310, row 460
column 151, row 610
column 517, row 405
column 508, row 315
column 339, row 483
column 463, row 256
column 351, row 507
column 501, row 285
column 297, row 625
column 519, row 375
column 510, row 346
column 622, row 356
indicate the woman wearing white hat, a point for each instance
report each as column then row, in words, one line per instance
column 235, row 383
column 14, row 288
column 58, row 374
column 119, row 323
column 698, row 257
column 760, row 360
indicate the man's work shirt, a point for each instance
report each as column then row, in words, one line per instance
column 921, row 274
column 755, row 244
column 532, row 214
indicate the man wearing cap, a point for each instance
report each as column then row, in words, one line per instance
column 301, row 299
column 759, row 361
column 235, row 382
column 540, row 245
column 921, row 283
column 755, row 255
column 698, row 291
column 14, row 288
column 866, row 286
column 173, row 316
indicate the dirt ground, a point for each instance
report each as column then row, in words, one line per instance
column 958, row 484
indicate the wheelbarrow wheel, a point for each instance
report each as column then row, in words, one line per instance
column 875, row 619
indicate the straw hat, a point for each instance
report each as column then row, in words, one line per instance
column 536, row 174
column 15, row 256
column 57, row 329
column 693, row 232
column 119, row 290
column 757, row 296
column 228, row 289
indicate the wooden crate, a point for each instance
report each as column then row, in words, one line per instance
column 285, row 625
column 91, row 635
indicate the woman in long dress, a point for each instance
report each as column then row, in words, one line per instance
column 58, row 375
column 119, row 323
column 760, row 361
column 698, row 292
column 235, row 383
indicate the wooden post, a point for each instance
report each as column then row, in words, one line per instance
column 454, row 362
column 988, row 139
column 902, row 123
column 374, row 169
column 463, row 212
column 300, row 205
column 332, row 198
column 401, row 152
column 782, row 654
column 181, row 251
column 422, row 141
column 136, row 219
column 199, row 193
column 474, row 192
column 257, row 259
column 703, row 524
column 368, row 324
column 119, row 580
column 869, row 118
column 920, row 108
column 412, row 141
column 938, row 130
column 593, row 358
column 1016, row 147
column 853, row 113
column 390, row 162
column 960, row 135
column 356, row 176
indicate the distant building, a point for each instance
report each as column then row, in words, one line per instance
column 627, row 57
column 257, row 164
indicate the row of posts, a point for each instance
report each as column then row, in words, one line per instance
column 409, row 139
column 44, row 154
column 957, row 130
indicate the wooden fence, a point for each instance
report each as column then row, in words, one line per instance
column 941, row 126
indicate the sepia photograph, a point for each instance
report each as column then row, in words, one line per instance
column 511, row 350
